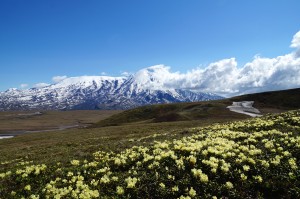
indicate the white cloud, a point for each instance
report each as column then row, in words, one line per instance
column 158, row 76
column 23, row 86
column 41, row 85
column 224, row 77
column 125, row 73
column 57, row 79
column 296, row 40
column 103, row 73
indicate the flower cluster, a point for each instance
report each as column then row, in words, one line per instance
column 244, row 159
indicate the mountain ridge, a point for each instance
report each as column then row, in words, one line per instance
column 101, row 92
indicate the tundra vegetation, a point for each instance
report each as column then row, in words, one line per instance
column 254, row 158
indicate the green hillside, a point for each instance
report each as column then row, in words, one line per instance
column 285, row 99
column 267, row 102
column 213, row 110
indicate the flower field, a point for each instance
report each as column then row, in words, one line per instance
column 255, row 158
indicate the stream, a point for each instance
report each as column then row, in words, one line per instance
column 12, row 134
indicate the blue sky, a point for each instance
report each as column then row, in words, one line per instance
column 43, row 39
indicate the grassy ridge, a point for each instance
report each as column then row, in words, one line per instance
column 267, row 102
column 285, row 99
column 212, row 110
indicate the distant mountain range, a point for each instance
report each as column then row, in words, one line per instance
column 100, row 92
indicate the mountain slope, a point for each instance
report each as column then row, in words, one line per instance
column 101, row 92
column 266, row 102
column 71, row 93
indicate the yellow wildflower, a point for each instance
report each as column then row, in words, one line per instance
column 120, row 190
column 192, row 192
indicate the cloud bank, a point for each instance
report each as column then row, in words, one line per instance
column 296, row 40
column 225, row 78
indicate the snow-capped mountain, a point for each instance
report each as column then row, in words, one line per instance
column 101, row 92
